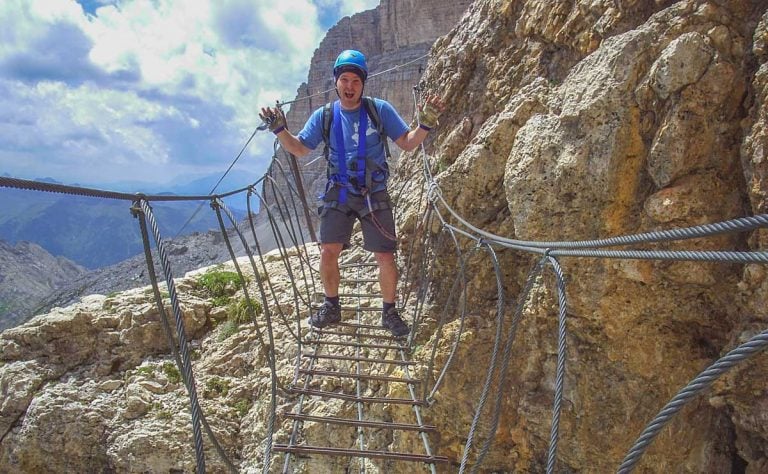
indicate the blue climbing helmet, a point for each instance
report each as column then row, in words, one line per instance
column 350, row 60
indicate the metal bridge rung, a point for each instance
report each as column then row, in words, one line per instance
column 353, row 295
column 366, row 335
column 361, row 309
column 352, row 375
column 359, row 359
column 360, row 326
column 355, row 398
column 359, row 280
column 353, row 265
column 283, row 448
column 351, row 344
column 333, row 420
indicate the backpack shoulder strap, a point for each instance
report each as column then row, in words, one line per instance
column 373, row 113
column 327, row 118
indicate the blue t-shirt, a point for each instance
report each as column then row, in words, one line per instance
column 394, row 127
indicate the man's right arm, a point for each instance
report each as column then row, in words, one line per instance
column 292, row 144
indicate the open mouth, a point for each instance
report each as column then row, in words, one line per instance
column 349, row 95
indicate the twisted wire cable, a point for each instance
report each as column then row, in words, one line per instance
column 462, row 296
column 247, row 142
column 169, row 333
column 31, row 185
column 438, row 332
column 181, row 334
column 561, row 355
column 270, row 350
column 281, row 203
column 286, row 265
column 494, row 357
column 302, row 249
column 293, row 193
column 673, row 255
column 425, row 272
column 700, row 383
column 742, row 224
column 298, row 189
column 533, row 273
column 419, row 233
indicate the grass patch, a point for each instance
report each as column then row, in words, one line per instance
column 160, row 412
column 216, row 387
column 241, row 407
column 237, row 311
column 171, row 372
column 219, row 284
column 229, row 328
column 146, row 370
column 237, row 314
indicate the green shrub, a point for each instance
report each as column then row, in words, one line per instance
column 161, row 412
column 241, row 407
column 171, row 372
column 220, row 285
column 146, row 370
column 229, row 328
column 237, row 311
column 216, row 387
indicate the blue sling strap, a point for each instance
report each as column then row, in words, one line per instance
column 342, row 178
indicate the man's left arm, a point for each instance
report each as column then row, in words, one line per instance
column 429, row 112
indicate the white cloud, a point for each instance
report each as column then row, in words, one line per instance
column 145, row 88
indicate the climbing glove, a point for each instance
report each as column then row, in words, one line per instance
column 428, row 115
column 274, row 118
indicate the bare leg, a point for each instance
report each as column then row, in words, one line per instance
column 387, row 275
column 329, row 268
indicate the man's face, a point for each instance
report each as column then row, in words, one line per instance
column 350, row 88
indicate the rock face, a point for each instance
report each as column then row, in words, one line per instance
column 596, row 119
column 29, row 274
column 565, row 120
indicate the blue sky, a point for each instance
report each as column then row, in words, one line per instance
column 157, row 91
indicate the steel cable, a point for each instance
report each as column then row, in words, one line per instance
column 182, row 337
column 136, row 210
column 494, row 356
column 287, row 267
column 700, row 383
column 462, row 296
column 561, row 356
column 270, row 349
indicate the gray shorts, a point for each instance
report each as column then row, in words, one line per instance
column 378, row 226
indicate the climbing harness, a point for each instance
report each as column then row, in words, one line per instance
column 366, row 170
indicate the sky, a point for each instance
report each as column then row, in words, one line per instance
column 109, row 92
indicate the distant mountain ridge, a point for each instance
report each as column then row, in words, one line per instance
column 28, row 273
column 65, row 225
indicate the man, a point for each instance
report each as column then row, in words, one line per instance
column 357, row 179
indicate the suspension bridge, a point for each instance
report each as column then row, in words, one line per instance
column 358, row 355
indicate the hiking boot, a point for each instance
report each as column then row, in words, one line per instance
column 328, row 313
column 391, row 320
